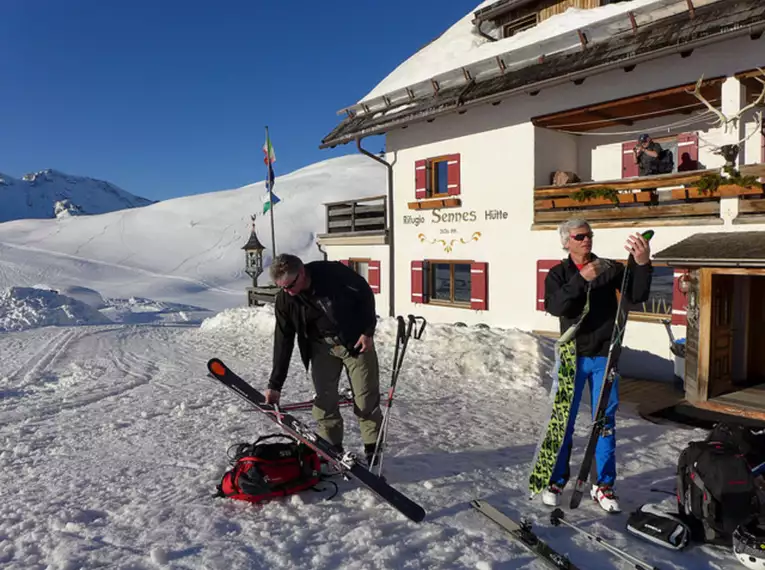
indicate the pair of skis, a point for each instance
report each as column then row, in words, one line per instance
column 522, row 533
column 563, row 387
column 345, row 463
column 614, row 349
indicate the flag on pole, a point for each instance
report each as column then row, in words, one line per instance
column 267, row 201
column 269, row 157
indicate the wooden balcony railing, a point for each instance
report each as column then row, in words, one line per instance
column 364, row 215
column 682, row 196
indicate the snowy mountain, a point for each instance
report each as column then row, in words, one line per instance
column 184, row 250
column 53, row 194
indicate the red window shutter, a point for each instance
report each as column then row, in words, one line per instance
column 629, row 168
column 346, row 262
column 421, row 179
column 479, row 286
column 687, row 152
column 543, row 268
column 453, row 174
column 418, row 280
column 679, row 301
column 373, row 275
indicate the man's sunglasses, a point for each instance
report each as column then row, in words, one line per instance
column 291, row 284
column 580, row 237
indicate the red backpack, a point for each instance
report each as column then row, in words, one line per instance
column 262, row 471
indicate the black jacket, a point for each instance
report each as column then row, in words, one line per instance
column 565, row 295
column 349, row 303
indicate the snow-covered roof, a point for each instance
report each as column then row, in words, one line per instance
column 609, row 44
column 461, row 48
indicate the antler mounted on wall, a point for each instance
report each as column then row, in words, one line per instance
column 729, row 125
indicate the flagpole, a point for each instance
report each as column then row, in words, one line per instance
column 270, row 193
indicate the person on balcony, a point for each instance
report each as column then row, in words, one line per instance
column 331, row 310
column 649, row 156
column 566, row 288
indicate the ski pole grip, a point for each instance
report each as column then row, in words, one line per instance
column 417, row 331
column 401, row 327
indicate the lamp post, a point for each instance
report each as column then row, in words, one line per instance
column 253, row 251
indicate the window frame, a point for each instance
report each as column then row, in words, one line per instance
column 519, row 25
column 433, row 177
column 646, row 316
column 430, row 282
column 354, row 261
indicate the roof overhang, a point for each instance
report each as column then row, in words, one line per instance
column 716, row 249
column 676, row 34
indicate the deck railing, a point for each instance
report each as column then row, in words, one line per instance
column 682, row 196
column 363, row 215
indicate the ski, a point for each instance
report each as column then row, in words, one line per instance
column 561, row 396
column 347, row 463
column 522, row 533
column 599, row 415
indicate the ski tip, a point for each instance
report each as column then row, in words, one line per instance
column 216, row 366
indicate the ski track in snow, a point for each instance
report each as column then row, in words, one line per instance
column 112, row 439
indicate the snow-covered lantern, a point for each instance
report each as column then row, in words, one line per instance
column 253, row 251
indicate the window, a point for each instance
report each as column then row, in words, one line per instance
column 684, row 149
column 437, row 177
column 462, row 284
column 659, row 303
column 360, row 266
column 369, row 269
column 519, row 25
column 450, row 282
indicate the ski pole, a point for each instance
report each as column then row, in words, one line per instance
column 556, row 518
column 402, row 334
column 398, row 358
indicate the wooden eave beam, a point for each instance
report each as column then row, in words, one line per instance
column 545, row 120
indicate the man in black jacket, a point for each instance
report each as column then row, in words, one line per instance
column 566, row 288
column 331, row 310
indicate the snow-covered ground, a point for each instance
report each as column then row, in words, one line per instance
column 112, row 438
column 52, row 194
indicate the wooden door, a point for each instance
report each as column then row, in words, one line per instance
column 721, row 338
column 757, row 330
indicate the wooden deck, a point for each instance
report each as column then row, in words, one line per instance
column 647, row 396
column 749, row 402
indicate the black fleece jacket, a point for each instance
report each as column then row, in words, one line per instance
column 566, row 292
column 347, row 300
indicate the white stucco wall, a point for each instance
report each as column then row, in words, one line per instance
column 554, row 151
column 503, row 156
column 374, row 252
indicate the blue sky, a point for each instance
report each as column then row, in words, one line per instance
column 168, row 98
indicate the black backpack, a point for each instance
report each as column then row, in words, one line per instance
column 750, row 443
column 716, row 491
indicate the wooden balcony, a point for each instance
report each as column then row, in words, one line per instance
column 363, row 216
column 682, row 198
